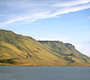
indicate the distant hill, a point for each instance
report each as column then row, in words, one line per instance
column 22, row 50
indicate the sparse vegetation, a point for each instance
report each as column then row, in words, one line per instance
column 23, row 50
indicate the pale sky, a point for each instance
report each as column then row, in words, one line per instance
column 63, row 20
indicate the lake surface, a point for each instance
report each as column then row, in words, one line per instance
column 44, row 73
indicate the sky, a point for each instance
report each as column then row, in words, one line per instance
column 63, row 20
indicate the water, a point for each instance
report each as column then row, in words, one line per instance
column 44, row 73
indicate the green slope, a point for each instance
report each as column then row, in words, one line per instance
column 67, row 51
column 23, row 50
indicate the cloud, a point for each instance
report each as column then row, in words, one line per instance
column 88, row 17
column 83, row 47
column 26, row 11
column 70, row 9
column 78, row 46
column 55, row 38
column 41, row 15
column 46, row 38
column 86, row 48
column 71, row 3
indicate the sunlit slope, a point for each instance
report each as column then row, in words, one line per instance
column 20, row 49
column 17, row 49
column 68, row 52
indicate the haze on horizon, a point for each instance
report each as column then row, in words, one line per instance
column 63, row 20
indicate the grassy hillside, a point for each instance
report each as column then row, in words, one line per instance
column 23, row 50
column 67, row 51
